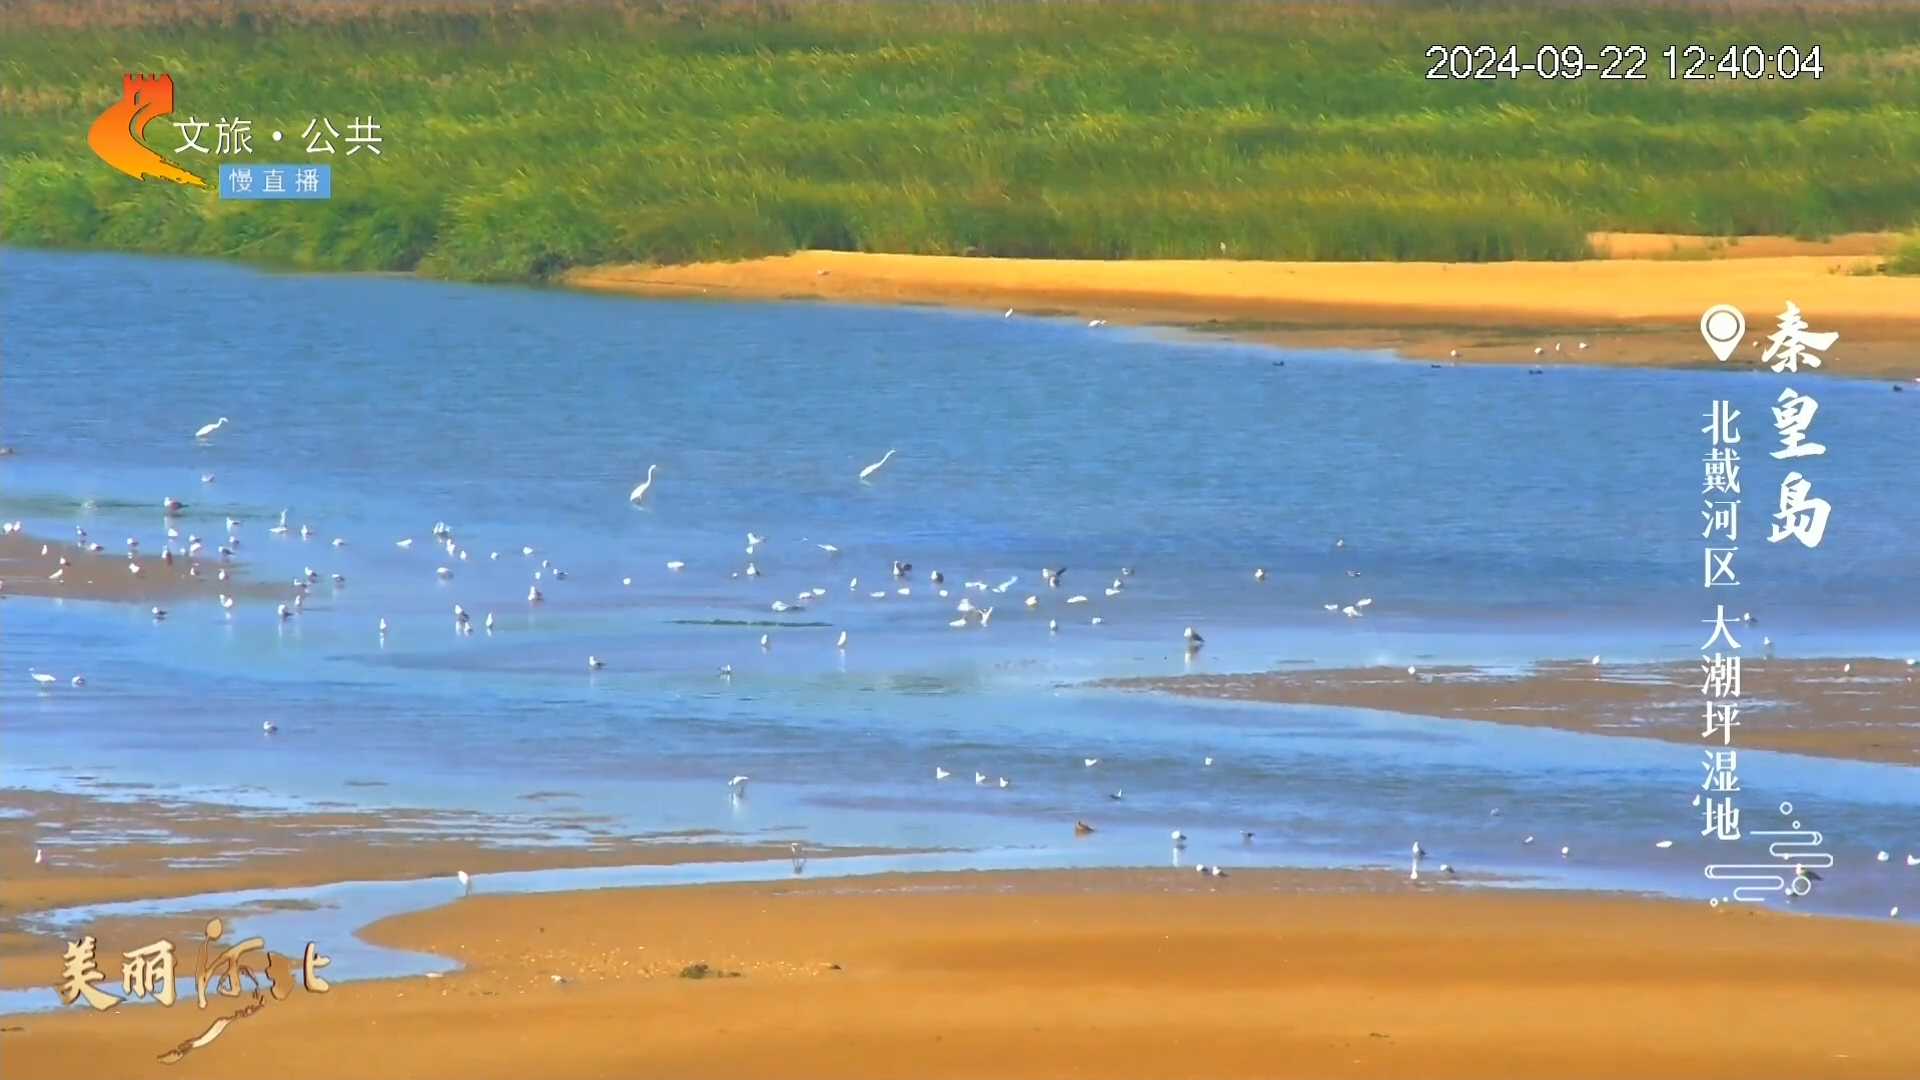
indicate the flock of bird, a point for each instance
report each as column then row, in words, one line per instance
column 969, row 614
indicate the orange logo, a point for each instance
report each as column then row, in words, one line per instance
column 116, row 136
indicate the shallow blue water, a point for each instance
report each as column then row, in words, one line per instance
column 1495, row 517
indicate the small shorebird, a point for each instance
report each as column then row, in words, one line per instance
column 159, row 614
column 799, row 856
column 1259, row 573
column 1081, row 828
column 639, row 494
column 1664, row 844
column 78, row 681
column 875, row 467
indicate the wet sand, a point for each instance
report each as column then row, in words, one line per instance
column 1134, row 973
column 1639, row 310
column 1799, row 706
column 24, row 571
column 150, row 847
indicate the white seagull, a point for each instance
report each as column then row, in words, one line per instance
column 940, row 773
column 875, row 467
column 639, row 493
column 737, row 786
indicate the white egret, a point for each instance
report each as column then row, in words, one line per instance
column 465, row 879
column 842, row 643
column 42, row 677
column 875, row 467
column 1664, row 845
column 207, row 430
column 676, row 565
column 639, row 493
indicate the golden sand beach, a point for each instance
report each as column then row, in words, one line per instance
column 1640, row 307
column 1135, row 973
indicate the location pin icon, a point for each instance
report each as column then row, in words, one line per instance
column 1723, row 326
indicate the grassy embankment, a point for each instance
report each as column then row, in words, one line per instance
column 563, row 134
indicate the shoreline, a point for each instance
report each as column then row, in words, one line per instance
column 1044, row 974
column 1869, row 713
column 1636, row 311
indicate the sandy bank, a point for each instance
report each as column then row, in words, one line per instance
column 1140, row 973
column 1871, row 713
column 142, row 845
column 26, row 571
column 1630, row 311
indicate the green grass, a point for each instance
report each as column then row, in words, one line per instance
column 1906, row 256
column 524, row 140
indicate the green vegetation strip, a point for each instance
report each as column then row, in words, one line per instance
column 523, row 140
